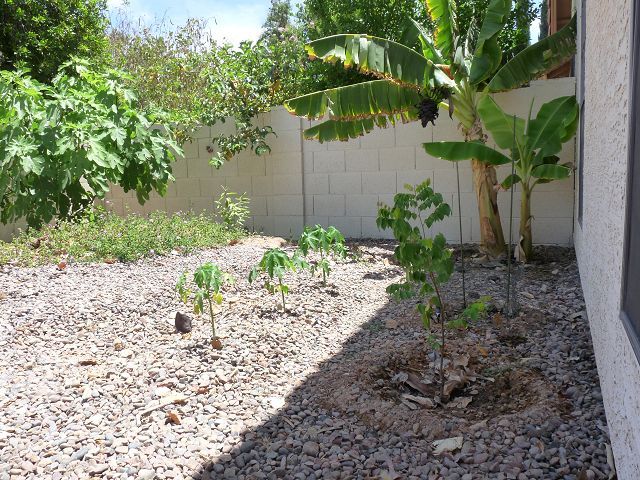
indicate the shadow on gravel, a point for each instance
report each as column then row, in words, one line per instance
column 308, row 439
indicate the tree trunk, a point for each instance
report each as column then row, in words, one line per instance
column 491, row 235
column 525, row 245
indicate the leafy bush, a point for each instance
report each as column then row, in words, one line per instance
column 101, row 235
column 42, row 35
column 275, row 263
column 233, row 209
column 326, row 243
column 199, row 81
column 427, row 262
column 63, row 145
column 209, row 280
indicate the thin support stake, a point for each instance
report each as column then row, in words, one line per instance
column 464, row 288
column 513, row 171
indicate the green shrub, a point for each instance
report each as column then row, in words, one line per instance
column 233, row 209
column 101, row 235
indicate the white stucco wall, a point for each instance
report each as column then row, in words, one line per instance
column 599, row 241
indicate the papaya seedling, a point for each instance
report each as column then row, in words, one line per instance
column 426, row 261
column 327, row 243
column 209, row 280
column 275, row 263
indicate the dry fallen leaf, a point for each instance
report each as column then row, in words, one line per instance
column 483, row 351
column 62, row 265
column 447, row 445
column 202, row 390
column 391, row 323
column 216, row 343
column 460, row 402
column 424, row 401
column 88, row 361
column 173, row 417
column 110, row 261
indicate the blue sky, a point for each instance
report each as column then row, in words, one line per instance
column 231, row 20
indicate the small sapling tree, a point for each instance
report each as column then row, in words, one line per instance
column 209, row 280
column 327, row 243
column 233, row 209
column 427, row 262
column 274, row 264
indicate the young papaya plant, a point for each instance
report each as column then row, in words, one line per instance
column 327, row 243
column 534, row 143
column 275, row 263
column 426, row 261
column 208, row 280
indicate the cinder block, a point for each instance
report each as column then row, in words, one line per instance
column 412, row 177
column 132, row 207
column 399, row 158
column 179, row 169
column 351, row 144
column 446, row 129
column 115, row 205
column 281, row 120
column 251, row 165
column 289, row 227
column 6, row 232
column 171, row 189
column 263, row 225
column 317, row 220
column 283, row 163
column 228, row 169
column 329, row 205
column 371, row 230
column 211, row 187
column 286, row 141
column 328, row 162
column 446, row 181
column 190, row 148
column 154, row 204
column 362, row 205
column 262, row 185
column 350, row 227
column 552, row 231
column 348, row 183
column 202, row 132
column 379, row 138
column 177, row 204
column 362, row 160
column 450, row 228
column 188, row 187
column 411, row 134
column 199, row 168
column 552, row 204
column 316, row 183
column 239, row 185
column 307, row 162
column 228, row 127
column 308, row 205
column 285, row 205
column 287, row 184
column 201, row 204
column 427, row 162
column 310, row 146
column 379, row 182
column 258, row 206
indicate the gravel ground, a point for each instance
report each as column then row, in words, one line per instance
column 94, row 381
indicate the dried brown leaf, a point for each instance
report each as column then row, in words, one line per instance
column 173, row 417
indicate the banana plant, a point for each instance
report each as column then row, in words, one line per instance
column 411, row 78
column 534, row 143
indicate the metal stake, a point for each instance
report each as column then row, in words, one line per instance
column 464, row 288
column 513, row 171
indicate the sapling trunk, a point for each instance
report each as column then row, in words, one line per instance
column 526, row 239
column 282, row 293
column 324, row 275
column 213, row 323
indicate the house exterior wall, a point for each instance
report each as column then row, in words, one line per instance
column 599, row 240
column 304, row 182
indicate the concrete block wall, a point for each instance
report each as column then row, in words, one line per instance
column 341, row 183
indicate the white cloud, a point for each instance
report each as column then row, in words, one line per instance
column 534, row 30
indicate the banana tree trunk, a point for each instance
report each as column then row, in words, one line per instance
column 484, row 176
column 525, row 245
column 491, row 234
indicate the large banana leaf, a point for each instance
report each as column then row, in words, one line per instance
column 414, row 33
column 367, row 99
column 549, row 128
column 536, row 60
column 344, row 130
column 499, row 124
column 551, row 172
column 455, row 151
column 380, row 57
column 443, row 13
column 488, row 54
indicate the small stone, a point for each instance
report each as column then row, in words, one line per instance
column 311, row 448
